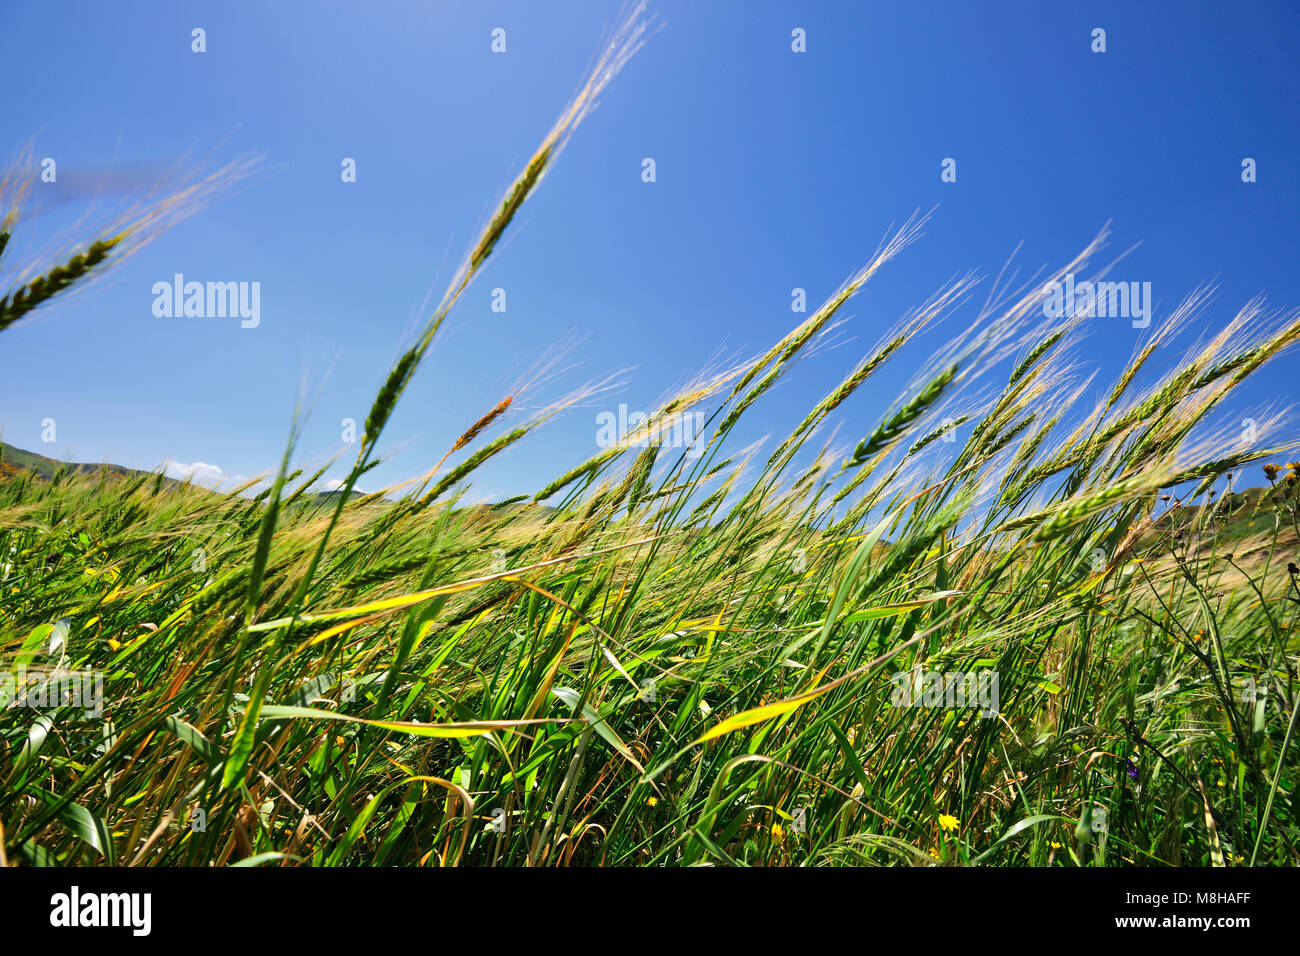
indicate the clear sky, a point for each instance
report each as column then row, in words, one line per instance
column 775, row 170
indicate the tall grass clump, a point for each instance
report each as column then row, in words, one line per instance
column 1000, row 626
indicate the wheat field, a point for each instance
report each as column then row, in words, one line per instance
column 1013, row 626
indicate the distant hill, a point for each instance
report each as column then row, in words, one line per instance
column 329, row 497
column 1241, row 515
column 14, row 460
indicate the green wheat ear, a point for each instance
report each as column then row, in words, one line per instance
column 43, row 288
column 886, row 432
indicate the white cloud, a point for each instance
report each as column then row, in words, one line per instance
column 213, row 477
column 334, row 484
column 199, row 472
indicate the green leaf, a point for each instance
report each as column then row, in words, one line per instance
column 210, row 753
column 261, row 858
column 241, row 748
column 850, row 757
column 598, row 724
column 89, row 828
column 1020, row 827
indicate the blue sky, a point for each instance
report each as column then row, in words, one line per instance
column 775, row 170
